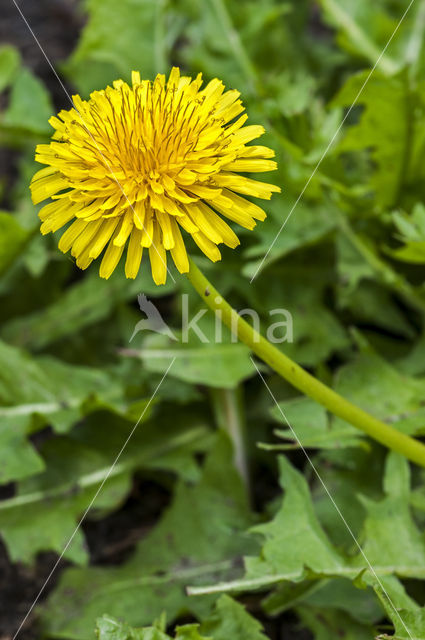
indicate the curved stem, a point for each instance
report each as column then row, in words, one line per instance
column 293, row 373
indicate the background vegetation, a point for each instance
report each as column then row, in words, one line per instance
column 348, row 266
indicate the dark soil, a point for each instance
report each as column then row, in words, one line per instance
column 110, row 541
column 56, row 25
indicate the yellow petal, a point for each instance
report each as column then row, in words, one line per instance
column 158, row 258
column 83, row 260
column 251, row 165
column 42, row 187
column 134, row 254
column 246, row 134
column 206, row 246
column 178, row 252
column 84, row 239
column 139, row 212
column 125, row 229
column 71, row 234
column 164, row 221
column 243, row 206
column 147, row 231
column 245, row 185
column 103, row 235
column 199, row 214
column 110, row 259
column 228, row 236
column 57, row 220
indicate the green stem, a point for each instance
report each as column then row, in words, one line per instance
column 293, row 373
column 229, row 417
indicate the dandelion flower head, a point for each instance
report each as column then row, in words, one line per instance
column 134, row 166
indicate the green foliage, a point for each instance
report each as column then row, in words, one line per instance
column 9, row 65
column 104, row 53
column 345, row 244
column 408, row 619
column 47, row 506
column 229, row 619
column 385, row 117
column 202, row 534
column 29, row 109
column 411, row 231
column 13, row 239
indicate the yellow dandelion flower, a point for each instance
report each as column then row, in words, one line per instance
column 134, row 165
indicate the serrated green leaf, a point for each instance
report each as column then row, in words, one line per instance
column 228, row 620
column 295, row 546
column 383, row 128
column 231, row 620
column 406, row 615
column 412, row 234
column 392, row 539
column 109, row 628
column 294, row 539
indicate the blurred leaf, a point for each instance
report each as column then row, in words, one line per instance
column 10, row 61
column 359, row 604
column 113, row 43
column 412, row 233
column 308, row 224
column 311, row 426
column 216, row 362
column 373, row 384
column 329, row 623
column 51, row 391
column 347, row 473
column 301, row 290
column 30, row 106
column 363, row 29
column 13, row 238
column 18, row 456
column 45, row 511
column 83, row 304
column 200, row 537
